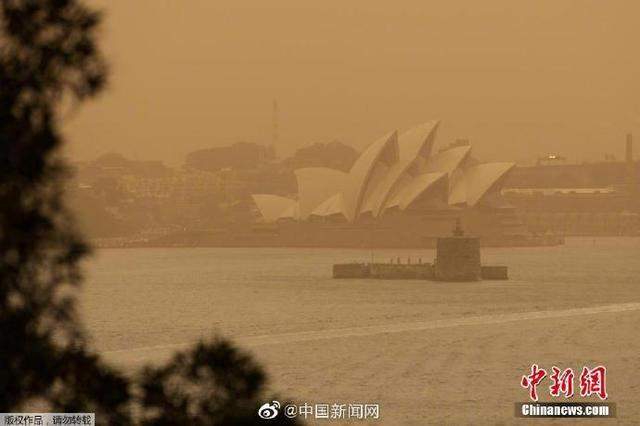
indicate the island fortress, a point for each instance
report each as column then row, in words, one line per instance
column 457, row 259
column 398, row 193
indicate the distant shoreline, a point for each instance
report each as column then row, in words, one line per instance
column 543, row 241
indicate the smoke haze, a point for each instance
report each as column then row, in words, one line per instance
column 517, row 78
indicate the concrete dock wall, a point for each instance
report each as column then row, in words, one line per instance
column 494, row 273
column 351, row 270
column 392, row 271
column 384, row 271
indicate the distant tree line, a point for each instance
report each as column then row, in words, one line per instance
column 245, row 155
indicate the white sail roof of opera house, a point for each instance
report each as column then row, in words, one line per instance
column 379, row 155
column 414, row 147
column 316, row 185
column 448, row 160
column 274, row 207
column 478, row 181
column 415, row 188
column 292, row 212
column 332, row 206
column 392, row 172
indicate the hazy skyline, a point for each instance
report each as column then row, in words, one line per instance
column 518, row 79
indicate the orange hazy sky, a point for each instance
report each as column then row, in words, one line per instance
column 518, row 78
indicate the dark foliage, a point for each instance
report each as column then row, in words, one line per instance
column 240, row 155
column 334, row 155
column 48, row 57
column 210, row 384
column 47, row 54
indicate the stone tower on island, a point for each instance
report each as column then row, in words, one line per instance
column 458, row 257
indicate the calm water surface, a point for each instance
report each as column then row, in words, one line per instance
column 143, row 297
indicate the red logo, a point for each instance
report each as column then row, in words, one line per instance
column 533, row 380
column 562, row 382
column 592, row 381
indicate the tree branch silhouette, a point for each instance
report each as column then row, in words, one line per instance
column 48, row 56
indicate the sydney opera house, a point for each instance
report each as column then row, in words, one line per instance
column 400, row 192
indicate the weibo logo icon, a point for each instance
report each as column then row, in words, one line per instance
column 269, row 410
